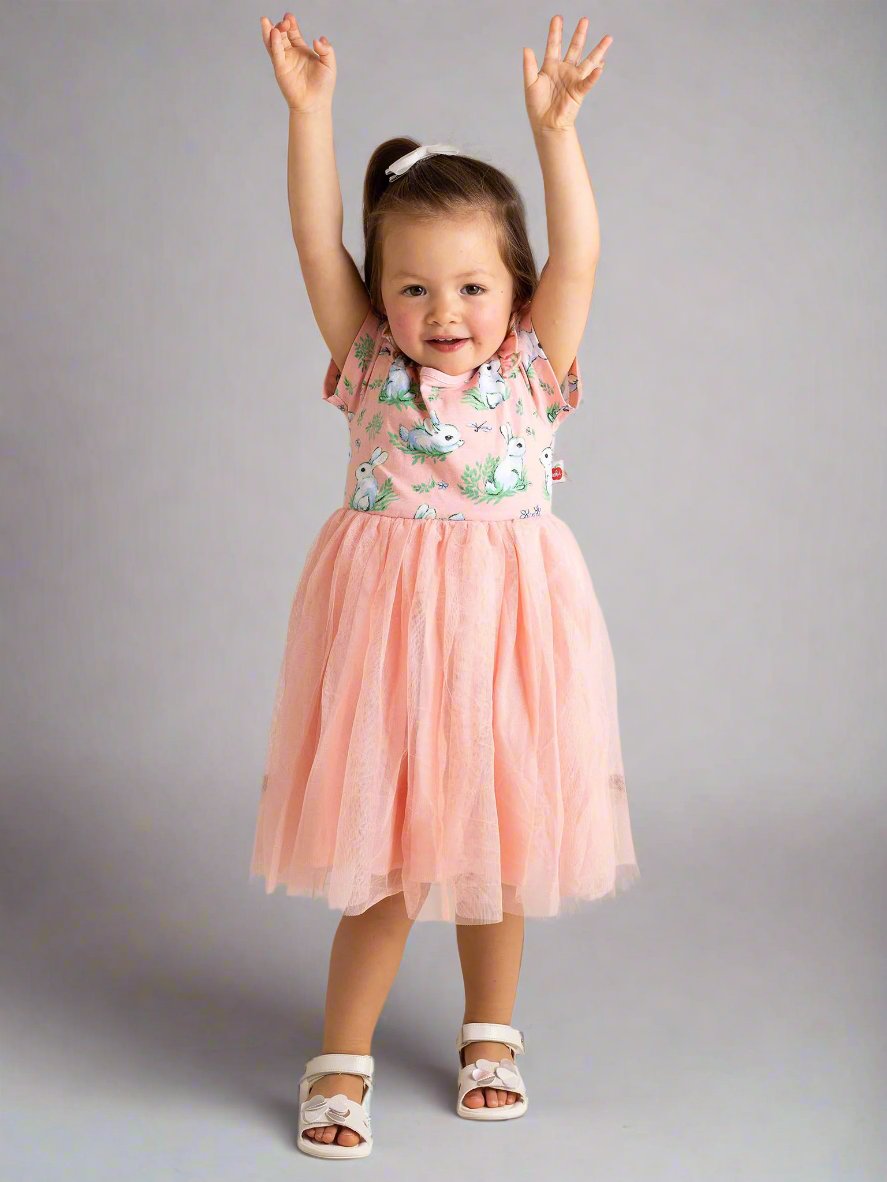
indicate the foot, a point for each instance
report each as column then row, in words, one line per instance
column 492, row 1097
column 351, row 1086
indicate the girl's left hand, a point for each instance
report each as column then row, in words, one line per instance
column 554, row 94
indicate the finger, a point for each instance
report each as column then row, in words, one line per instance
column 595, row 59
column 266, row 32
column 324, row 50
column 590, row 67
column 574, row 49
column 531, row 69
column 597, row 55
column 283, row 30
column 585, row 84
column 553, row 44
column 293, row 30
column 278, row 53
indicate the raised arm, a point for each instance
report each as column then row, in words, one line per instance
column 553, row 95
column 336, row 290
column 307, row 80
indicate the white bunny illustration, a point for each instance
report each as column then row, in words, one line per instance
column 426, row 510
column 432, row 436
column 397, row 384
column 367, row 487
column 491, row 383
column 529, row 347
column 510, row 469
column 569, row 386
column 545, row 459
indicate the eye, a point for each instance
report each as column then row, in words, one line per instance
column 419, row 287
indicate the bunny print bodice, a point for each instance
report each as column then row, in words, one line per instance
column 472, row 446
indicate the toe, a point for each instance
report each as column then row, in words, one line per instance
column 348, row 1136
column 492, row 1095
column 473, row 1099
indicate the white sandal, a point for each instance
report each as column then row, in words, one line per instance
column 484, row 1073
column 338, row 1109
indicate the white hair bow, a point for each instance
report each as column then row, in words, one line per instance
column 399, row 167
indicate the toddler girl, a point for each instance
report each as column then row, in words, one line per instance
column 444, row 742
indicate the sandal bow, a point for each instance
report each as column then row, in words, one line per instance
column 327, row 1109
column 488, row 1073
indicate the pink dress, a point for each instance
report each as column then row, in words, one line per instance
column 445, row 720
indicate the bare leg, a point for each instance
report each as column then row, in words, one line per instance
column 366, row 954
column 491, row 955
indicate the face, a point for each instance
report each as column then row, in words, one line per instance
column 444, row 277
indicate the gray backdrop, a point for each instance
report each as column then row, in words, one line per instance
column 162, row 429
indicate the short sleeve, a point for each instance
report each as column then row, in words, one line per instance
column 345, row 388
column 557, row 399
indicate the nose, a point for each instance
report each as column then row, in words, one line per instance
column 443, row 315
column 442, row 323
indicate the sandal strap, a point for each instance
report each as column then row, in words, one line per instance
column 503, row 1076
column 322, row 1111
column 491, row 1032
column 335, row 1063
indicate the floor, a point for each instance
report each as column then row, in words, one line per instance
column 724, row 1018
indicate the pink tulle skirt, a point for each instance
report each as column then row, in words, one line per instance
column 445, row 724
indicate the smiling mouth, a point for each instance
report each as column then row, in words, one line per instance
column 446, row 345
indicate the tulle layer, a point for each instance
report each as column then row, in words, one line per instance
column 445, row 724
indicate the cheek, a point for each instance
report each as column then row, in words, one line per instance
column 486, row 323
column 403, row 325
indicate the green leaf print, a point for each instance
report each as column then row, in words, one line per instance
column 476, row 476
column 426, row 486
column 406, row 398
column 385, row 496
column 531, row 372
column 474, row 398
column 363, row 351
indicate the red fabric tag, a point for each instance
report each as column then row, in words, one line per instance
column 558, row 471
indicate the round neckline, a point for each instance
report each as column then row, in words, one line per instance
column 439, row 378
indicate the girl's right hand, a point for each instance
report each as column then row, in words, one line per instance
column 306, row 76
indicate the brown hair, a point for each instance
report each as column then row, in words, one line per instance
column 444, row 184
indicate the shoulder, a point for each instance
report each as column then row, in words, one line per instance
column 566, row 395
column 366, row 340
column 345, row 384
